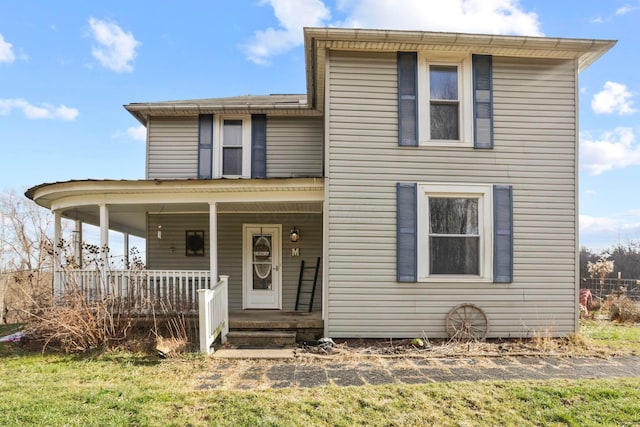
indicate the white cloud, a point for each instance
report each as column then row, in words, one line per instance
column 592, row 224
column 6, row 51
column 613, row 98
column 34, row 112
column 616, row 149
column 471, row 16
column 602, row 232
column 292, row 16
column 116, row 49
column 137, row 133
column 627, row 8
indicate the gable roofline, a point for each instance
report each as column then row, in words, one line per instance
column 319, row 40
column 276, row 104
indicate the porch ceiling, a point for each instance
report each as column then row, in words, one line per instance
column 132, row 218
column 129, row 202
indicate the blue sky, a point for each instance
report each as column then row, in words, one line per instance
column 67, row 67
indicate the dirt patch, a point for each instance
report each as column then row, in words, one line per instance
column 410, row 348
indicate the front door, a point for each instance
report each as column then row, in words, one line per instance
column 261, row 266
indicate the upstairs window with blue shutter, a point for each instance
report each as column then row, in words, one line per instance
column 454, row 232
column 454, row 99
column 232, row 146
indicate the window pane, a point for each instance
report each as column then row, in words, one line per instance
column 231, row 160
column 444, row 121
column 453, row 216
column 232, row 133
column 262, row 261
column 443, row 82
column 454, row 255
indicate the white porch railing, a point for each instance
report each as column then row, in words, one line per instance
column 141, row 289
column 213, row 314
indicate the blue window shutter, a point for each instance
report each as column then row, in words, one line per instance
column 482, row 101
column 408, row 99
column 205, row 146
column 258, row 146
column 407, row 233
column 502, row 234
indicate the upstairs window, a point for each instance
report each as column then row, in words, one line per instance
column 233, row 145
column 445, row 99
column 444, row 102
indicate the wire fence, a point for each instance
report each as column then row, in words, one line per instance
column 602, row 288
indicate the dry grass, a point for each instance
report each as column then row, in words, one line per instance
column 77, row 325
column 623, row 309
column 598, row 338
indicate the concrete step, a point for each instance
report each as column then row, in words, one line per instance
column 261, row 339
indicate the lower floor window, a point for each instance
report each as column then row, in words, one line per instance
column 454, row 230
column 454, row 237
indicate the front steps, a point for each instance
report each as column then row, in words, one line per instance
column 304, row 326
column 261, row 339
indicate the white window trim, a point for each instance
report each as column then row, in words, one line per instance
column 484, row 193
column 246, row 145
column 465, row 97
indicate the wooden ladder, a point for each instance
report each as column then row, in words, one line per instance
column 306, row 281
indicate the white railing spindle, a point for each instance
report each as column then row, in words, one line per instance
column 147, row 287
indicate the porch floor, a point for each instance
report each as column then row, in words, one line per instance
column 274, row 319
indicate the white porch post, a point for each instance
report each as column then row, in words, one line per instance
column 126, row 250
column 104, row 243
column 213, row 243
column 57, row 255
column 77, row 243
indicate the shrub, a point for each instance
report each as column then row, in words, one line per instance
column 623, row 309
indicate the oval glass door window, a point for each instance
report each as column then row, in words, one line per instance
column 262, row 261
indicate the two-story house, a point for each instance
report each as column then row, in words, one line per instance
column 434, row 174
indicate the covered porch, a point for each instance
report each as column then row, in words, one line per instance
column 198, row 234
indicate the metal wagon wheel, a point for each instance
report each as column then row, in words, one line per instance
column 467, row 322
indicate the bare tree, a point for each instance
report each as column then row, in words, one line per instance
column 25, row 252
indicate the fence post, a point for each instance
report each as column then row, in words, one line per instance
column 225, row 308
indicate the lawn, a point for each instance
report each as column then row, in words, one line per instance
column 617, row 337
column 119, row 388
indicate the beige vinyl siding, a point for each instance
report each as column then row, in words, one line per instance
column 169, row 253
column 172, row 151
column 160, row 255
column 294, row 147
column 535, row 138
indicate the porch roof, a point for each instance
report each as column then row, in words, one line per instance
column 129, row 201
